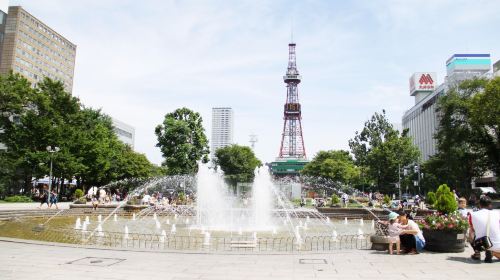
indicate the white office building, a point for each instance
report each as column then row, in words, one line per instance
column 422, row 120
column 125, row 132
column 222, row 128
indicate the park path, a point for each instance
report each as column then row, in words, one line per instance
column 19, row 260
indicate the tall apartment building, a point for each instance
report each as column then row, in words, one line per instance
column 422, row 120
column 222, row 128
column 125, row 132
column 31, row 48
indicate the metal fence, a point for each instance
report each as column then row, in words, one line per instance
column 137, row 241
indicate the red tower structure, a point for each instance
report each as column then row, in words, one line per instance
column 292, row 157
column 292, row 140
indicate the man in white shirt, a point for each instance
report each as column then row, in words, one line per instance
column 486, row 222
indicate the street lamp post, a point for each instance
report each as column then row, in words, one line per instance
column 51, row 150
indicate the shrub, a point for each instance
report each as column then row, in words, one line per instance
column 352, row 200
column 134, row 201
column 445, row 200
column 431, row 198
column 18, row 198
column 335, row 199
column 387, row 200
column 80, row 200
column 78, row 193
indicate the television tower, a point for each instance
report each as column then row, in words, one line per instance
column 292, row 140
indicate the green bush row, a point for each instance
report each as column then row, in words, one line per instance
column 18, row 198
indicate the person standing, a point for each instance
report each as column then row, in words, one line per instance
column 53, row 199
column 486, row 222
column 44, row 197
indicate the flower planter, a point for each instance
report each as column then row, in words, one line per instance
column 444, row 241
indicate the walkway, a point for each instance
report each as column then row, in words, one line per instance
column 42, row 261
column 30, row 206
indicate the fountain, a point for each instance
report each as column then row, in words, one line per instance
column 78, row 223
column 240, row 219
column 334, row 236
column 163, row 236
column 99, row 230
column 125, row 231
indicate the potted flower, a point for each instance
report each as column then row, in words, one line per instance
column 445, row 230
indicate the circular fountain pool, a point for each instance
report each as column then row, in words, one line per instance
column 220, row 221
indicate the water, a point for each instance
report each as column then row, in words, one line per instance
column 265, row 212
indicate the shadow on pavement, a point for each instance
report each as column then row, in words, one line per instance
column 464, row 260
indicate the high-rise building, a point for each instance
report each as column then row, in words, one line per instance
column 125, row 132
column 222, row 128
column 422, row 120
column 496, row 69
column 31, row 48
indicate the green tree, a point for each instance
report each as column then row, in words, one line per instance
column 485, row 121
column 182, row 141
column 237, row 162
column 337, row 166
column 461, row 155
column 382, row 151
column 445, row 200
column 33, row 119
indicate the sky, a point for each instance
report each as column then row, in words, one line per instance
column 139, row 60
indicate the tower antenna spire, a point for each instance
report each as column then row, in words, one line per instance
column 291, row 32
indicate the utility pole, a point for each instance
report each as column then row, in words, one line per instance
column 399, row 180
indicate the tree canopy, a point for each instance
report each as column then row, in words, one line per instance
column 47, row 115
column 182, row 141
column 381, row 151
column 237, row 162
column 468, row 133
column 337, row 166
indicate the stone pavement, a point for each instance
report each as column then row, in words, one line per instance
column 19, row 260
column 31, row 206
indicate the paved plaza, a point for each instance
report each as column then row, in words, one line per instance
column 33, row 260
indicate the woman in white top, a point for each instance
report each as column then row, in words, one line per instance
column 411, row 238
column 479, row 228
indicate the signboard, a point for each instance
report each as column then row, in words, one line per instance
column 423, row 81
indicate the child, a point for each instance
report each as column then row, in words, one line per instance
column 95, row 202
column 395, row 230
column 462, row 205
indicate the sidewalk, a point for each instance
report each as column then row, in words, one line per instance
column 30, row 206
column 36, row 261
